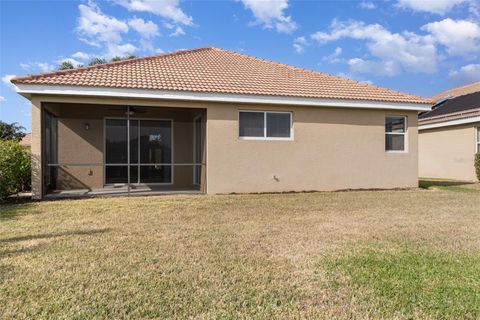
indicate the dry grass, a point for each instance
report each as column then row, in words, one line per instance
column 240, row 256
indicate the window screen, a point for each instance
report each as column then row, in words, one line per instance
column 395, row 128
column 256, row 124
column 278, row 125
column 252, row 124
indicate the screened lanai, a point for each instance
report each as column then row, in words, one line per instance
column 91, row 150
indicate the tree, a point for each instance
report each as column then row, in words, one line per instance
column 132, row 56
column 12, row 131
column 97, row 61
column 116, row 58
column 65, row 65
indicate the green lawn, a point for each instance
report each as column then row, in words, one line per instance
column 376, row 254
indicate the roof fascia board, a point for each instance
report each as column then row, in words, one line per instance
column 449, row 123
column 28, row 89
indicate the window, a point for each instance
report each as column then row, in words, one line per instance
column 265, row 125
column 478, row 139
column 395, row 129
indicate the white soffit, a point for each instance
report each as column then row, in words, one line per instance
column 28, row 89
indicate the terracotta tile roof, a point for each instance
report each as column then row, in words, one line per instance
column 219, row 71
column 26, row 140
column 455, row 92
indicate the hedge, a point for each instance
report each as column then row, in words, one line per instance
column 15, row 169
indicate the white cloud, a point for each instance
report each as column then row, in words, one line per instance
column 460, row 37
column 334, row 57
column 6, row 80
column 387, row 68
column 147, row 45
column 2, row 99
column 100, row 30
column 269, row 13
column 466, row 74
column 97, row 28
column 45, row 66
column 367, row 5
column 74, row 62
column 37, row 66
column 431, row 6
column 392, row 52
column 299, row 44
column 120, row 50
column 354, row 78
column 168, row 9
column 178, row 32
column 145, row 29
column 81, row 55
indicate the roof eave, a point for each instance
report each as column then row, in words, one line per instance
column 27, row 90
column 448, row 123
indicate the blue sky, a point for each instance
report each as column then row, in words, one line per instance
column 420, row 47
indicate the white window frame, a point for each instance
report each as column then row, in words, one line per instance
column 405, row 134
column 265, row 138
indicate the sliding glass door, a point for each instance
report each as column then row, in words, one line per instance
column 197, row 149
column 149, row 149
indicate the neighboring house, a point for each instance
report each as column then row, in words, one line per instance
column 26, row 140
column 456, row 92
column 215, row 121
column 449, row 135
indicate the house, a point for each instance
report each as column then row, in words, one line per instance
column 456, row 92
column 214, row 121
column 26, row 140
column 449, row 135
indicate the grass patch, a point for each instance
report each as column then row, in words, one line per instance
column 449, row 185
column 412, row 282
column 229, row 256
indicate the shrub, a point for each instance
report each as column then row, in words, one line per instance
column 96, row 61
column 477, row 165
column 65, row 65
column 15, row 168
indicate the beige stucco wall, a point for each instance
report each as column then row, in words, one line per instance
column 332, row 149
column 36, row 148
column 448, row 152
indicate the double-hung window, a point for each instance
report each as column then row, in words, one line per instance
column 395, row 133
column 267, row 125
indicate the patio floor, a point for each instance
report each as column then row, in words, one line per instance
column 111, row 191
